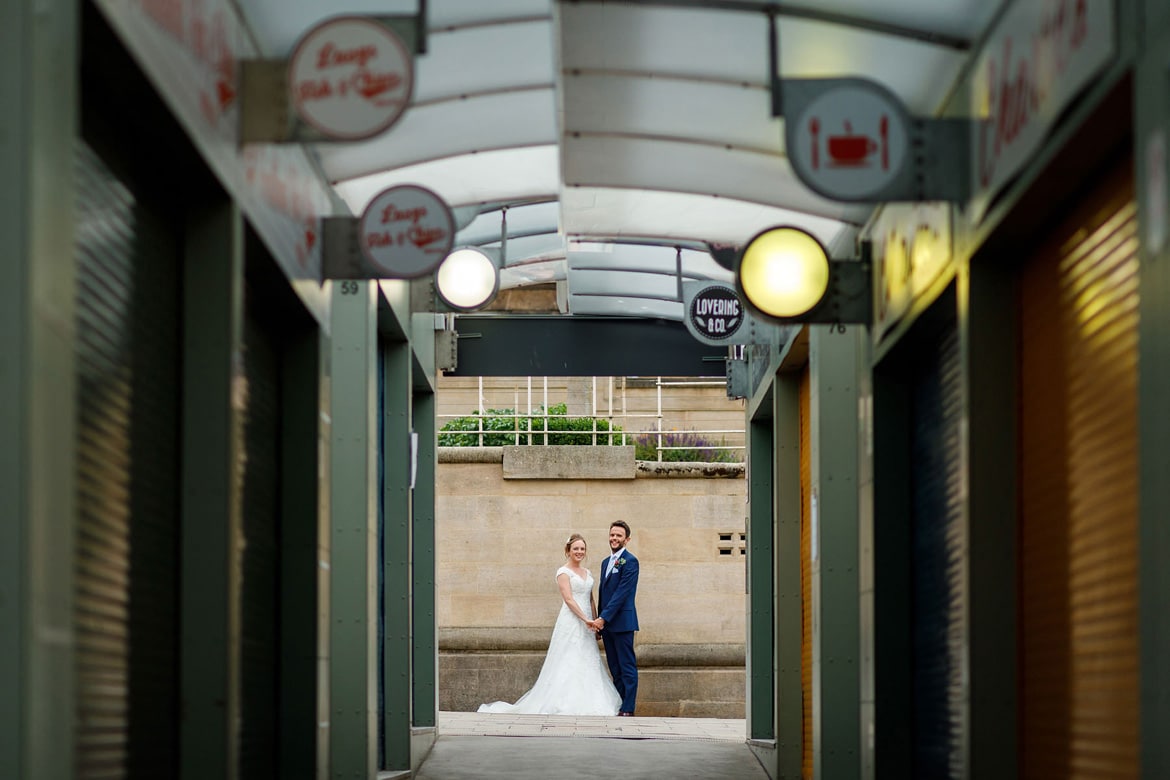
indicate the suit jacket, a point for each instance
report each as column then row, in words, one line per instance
column 615, row 595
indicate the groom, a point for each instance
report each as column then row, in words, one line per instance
column 617, row 618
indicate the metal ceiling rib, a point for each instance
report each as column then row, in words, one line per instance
column 625, row 121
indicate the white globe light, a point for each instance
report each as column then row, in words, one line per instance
column 467, row 279
column 784, row 272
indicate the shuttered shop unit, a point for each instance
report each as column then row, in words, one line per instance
column 127, row 478
column 938, row 556
column 259, row 473
column 1079, row 493
column 806, row 622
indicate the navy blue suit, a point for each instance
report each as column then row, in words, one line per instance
column 615, row 605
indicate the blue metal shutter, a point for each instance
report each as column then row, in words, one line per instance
column 939, row 551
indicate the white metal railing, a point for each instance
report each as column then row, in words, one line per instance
column 525, row 431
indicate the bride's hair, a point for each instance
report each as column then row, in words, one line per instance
column 572, row 539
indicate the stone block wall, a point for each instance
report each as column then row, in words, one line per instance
column 501, row 540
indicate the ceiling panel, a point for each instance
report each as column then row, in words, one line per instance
column 522, row 219
column 278, row 24
column 597, row 212
column 698, row 169
column 662, row 260
column 532, row 173
column 468, row 61
column 502, row 121
column 671, row 108
column 629, row 283
column 532, row 273
column 625, row 307
column 732, row 47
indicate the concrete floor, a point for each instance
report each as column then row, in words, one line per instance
column 485, row 747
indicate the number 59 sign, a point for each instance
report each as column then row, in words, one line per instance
column 350, row 78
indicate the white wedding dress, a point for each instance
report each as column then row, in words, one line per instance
column 574, row 679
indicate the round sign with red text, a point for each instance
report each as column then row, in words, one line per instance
column 350, row 78
column 406, row 231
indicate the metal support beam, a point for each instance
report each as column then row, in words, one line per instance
column 833, row 367
column 582, row 346
column 38, row 138
column 353, row 680
column 211, row 502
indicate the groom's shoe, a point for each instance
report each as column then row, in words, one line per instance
column 626, row 714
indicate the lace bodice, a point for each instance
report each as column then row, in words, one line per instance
column 581, row 588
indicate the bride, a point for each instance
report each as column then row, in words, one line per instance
column 573, row 680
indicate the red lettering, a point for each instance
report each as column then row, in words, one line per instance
column 313, row 90
column 421, row 236
column 330, row 56
column 393, row 214
column 1019, row 86
column 376, row 240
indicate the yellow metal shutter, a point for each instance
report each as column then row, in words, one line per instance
column 1079, row 696
column 806, row 658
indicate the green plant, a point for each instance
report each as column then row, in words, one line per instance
column 646, row 448
column 502, row 426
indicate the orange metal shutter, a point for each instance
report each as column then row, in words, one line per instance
column 806, row 658
column 1078, row 475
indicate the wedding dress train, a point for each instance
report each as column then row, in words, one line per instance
column 574, row 679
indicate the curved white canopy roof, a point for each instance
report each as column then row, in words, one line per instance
column 607, row 127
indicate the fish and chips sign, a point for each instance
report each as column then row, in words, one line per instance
column 714, row 312
column 350, row 78
column 406, row 231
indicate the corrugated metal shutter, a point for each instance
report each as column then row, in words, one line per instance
column 259, row 470
column 1079, row 494
column 806, row 625
column 127, row 462
column 939, row 552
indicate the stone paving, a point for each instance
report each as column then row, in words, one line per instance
column 467, row 724
column 537, row 747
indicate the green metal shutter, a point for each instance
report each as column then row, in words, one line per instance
column 259, row 472
column 939, row 551
column 127, row 479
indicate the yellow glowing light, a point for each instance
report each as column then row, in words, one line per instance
column 784, row 272
column 466, row 279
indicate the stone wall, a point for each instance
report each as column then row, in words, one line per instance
column 501, row 540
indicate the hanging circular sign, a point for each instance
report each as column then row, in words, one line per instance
column 406, row 231
column 850, row 142
column 350, row 78
column 716, row 312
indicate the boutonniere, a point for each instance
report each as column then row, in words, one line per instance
column 620, row 562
